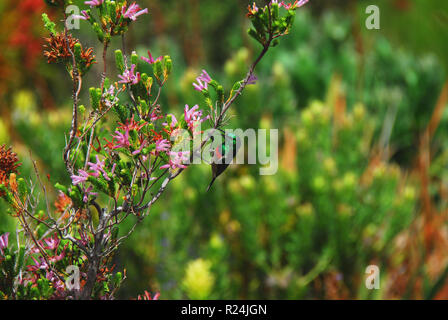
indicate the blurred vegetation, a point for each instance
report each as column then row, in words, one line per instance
column 362, row 164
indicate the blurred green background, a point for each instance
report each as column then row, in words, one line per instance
column 363, row 148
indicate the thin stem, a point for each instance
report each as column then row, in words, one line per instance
column 103, row 78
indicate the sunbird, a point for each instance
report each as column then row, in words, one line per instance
column 223, row 154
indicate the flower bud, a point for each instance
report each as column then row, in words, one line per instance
column 274, row 11
column 95, row 98
column 112, row 9
column 168, row 65
column 22, row 187
column 144, row 106
column 134, row 58
column 98, row 31
column 77, row 50
column 118, row 278
column 119, row 60
column 220, row 93
column 158, row 70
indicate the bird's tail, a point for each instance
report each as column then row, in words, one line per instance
column 210, row 185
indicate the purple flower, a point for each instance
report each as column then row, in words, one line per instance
column 4, row 241
column 154, row 117
column 42, row 264
column 200, row 85
column 151, row 59
column 173, row 121
column 94, row 3
column 133, row 11
column 147, row 296
column 193, row 116
column 176, row 160
column 204, row 77
column 202, row 81
column 111, row 102
column 142, row 145
column 84, row 15
column 162, row 145
column 122, row 140
column 56, row 283
column 297, row 4
column 81, row 177
column 109, row 97
column 113, row 168
column 88, row 192
column 52, row 242
column 129, row 76
column 98, row 168
column 252, row 79
column 300, row 3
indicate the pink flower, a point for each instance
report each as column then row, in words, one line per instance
column 162, row 145
column 52, row 242
column 253, row 9
column 94, row 3
column 39, row 264
column 204, row 77
column 200, row 85
column 151, row 60
column 88, row 192
column 109, row 96
column 173, row 121
column 133, row 11
column 202, row 81
column 57, row 258
column 81, row 177
column 147, row 296
column 176, row 160
column 122, row 140
column 300, row 3
column 98, row 168
column 297, row 4
column 154, row 116
column 142, row 145
column 129, row 76
column 83, row 16
column 193, row 116
column 56, row 282
column 84, row 238
column 4, row 241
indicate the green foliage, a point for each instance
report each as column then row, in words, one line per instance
column 49, row 25
column 332, row 212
